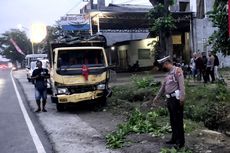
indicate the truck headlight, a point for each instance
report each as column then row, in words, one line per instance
column 101, row 87
column 62, row 90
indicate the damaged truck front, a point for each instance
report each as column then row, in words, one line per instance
column 79, row 73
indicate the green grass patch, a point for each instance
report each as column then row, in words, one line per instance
column 138, row 122
column 173, row 150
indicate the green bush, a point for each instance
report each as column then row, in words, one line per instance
column 144, row 82
column 214, row 115
column 207, row 104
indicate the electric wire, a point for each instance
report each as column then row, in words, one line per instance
column 80, row 1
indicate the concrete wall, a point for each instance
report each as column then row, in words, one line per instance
column 193, row 6
column 224, row 60
column 132, row 50
column 202, row 28
column 112, row 37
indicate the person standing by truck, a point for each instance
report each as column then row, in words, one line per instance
column 40, row 76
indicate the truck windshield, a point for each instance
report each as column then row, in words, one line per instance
column 77, row 58
column 33, row 65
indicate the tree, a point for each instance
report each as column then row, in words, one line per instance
column 161, row 24
column 8, row 50
column 220, row 40
column 55, row 34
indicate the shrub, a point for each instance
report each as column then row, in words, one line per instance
column 144, row 82
column 207, row 104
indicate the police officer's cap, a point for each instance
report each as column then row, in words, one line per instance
column 165, row 59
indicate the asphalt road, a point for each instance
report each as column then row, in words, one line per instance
column 15, row 136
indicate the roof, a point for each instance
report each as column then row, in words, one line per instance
column 127, row 8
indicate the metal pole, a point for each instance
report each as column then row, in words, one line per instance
column 98, row 23
column 90, row 25
column 32, row 47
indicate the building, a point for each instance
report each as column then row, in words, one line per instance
column 202, row 28
column 125, row 25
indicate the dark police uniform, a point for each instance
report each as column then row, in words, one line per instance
column 174, row 90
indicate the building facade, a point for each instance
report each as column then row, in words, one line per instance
column 126, row 25
column 202, row 26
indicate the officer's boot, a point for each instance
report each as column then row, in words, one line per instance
column 43, row 105
column 39, row 106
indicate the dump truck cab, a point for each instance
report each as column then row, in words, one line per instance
column 79, row 73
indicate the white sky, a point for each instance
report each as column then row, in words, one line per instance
column 26, row 12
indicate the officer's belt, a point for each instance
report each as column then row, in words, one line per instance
column 171, row 95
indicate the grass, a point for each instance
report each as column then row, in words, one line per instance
column 204, row 104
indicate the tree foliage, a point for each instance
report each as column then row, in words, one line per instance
column 56, row 34
column 220, row 38
column 161, row 24
column 7, row 49
column 160, row 21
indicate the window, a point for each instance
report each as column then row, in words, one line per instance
column 143, row 54
column 184, row 6
column 176, row 39
column 77, row 58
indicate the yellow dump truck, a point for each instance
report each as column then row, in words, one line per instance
column 79, row 73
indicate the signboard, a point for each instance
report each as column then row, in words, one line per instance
column 74, row 19
column 74, row 22
column 176, row 39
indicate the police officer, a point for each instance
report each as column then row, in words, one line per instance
column 174, row 90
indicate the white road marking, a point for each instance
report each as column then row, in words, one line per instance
column 37, row 142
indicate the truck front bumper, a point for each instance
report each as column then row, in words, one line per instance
column 78, row 97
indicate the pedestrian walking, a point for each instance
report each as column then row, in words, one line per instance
column 204, row 70
column 193, row 66
column 40, row 76
column 199, row 65
column 210, row 67
column 216, row 66
column 174, row 90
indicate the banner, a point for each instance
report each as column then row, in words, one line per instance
column 16, row 46
column 74, row 22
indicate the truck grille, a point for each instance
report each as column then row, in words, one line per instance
column 81, row 89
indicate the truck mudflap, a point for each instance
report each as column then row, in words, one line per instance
column 78, row 97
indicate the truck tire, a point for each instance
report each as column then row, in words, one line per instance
column 102, row 101
column 60, row 107
column 49, row 91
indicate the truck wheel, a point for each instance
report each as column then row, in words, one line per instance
column 49, row 91
column 102, row 101
column 60, row 107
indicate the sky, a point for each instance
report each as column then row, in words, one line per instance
column 26, row 12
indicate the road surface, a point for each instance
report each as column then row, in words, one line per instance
column 20, row 132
